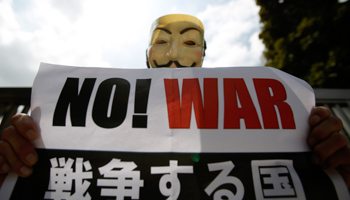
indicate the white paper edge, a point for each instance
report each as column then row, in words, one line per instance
column 8, row 185
column 339, row 184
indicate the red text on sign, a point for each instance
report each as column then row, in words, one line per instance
column 270, row 93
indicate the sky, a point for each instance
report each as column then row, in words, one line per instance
column 114, row 33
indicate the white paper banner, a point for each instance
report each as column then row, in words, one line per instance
column 255, row 109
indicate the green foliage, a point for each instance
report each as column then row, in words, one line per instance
column 308, row 39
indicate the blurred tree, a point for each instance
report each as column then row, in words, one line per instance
column 308, row 39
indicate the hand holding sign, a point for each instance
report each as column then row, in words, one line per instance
column 330, row 148
column 16, row 150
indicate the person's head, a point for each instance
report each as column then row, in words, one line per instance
column 176, row 40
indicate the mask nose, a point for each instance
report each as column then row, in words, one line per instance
column 174, row 51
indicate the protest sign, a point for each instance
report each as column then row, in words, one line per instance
column 194, row 133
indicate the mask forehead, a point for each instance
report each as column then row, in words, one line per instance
column 180, row 20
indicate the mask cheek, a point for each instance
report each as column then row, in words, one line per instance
column 194, row 55
column 199, row 57
column 158, row 53
column 199, row 54
column 150, row 52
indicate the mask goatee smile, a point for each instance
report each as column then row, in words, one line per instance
column 171, row 62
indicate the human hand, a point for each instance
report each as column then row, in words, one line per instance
column 329, row 148
column 16, row 151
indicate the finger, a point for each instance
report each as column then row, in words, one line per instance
column 341, row 157
column 319, row 114
column 4, row 166
column 25, row 126
column 323, row 130
column 332, row 144
column 21, row 147
column 15, row 163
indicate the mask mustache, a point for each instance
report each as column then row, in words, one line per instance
column 171, row 62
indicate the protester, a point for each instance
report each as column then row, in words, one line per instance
column 178, row 41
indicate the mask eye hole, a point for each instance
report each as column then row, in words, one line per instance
column 161, row 42
column 190, row 43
